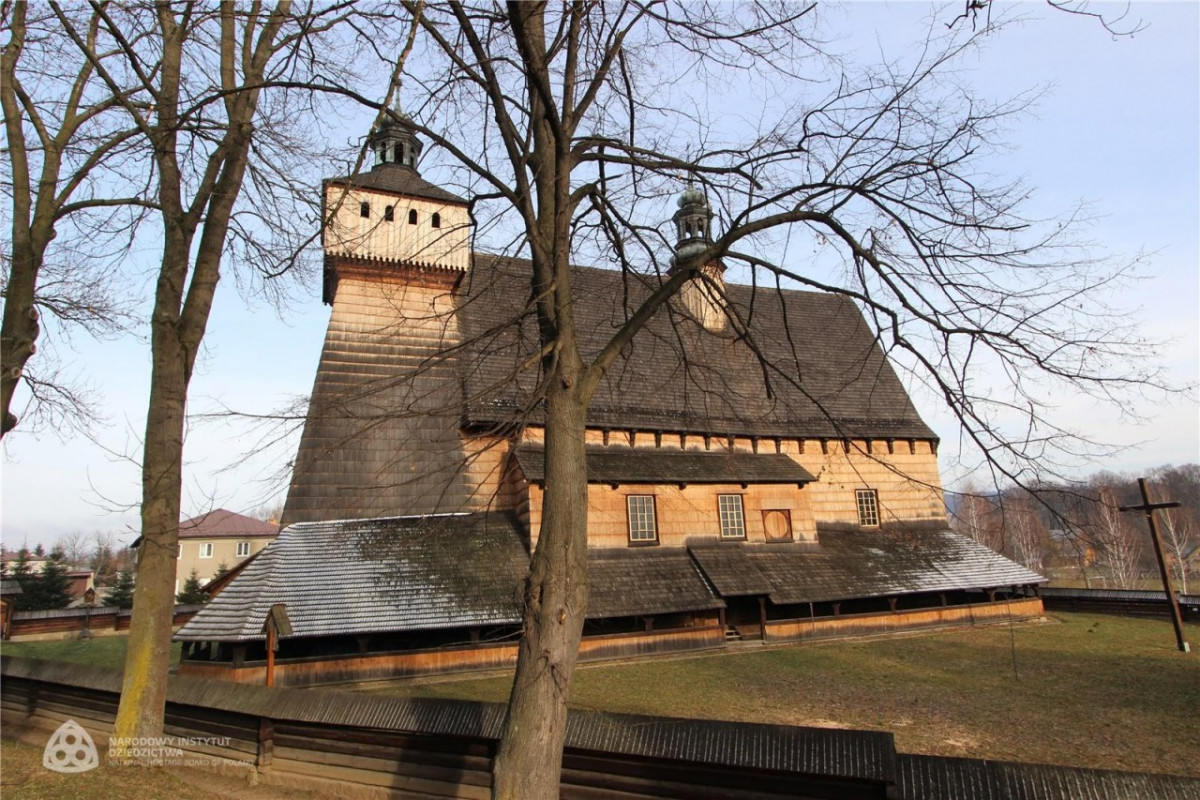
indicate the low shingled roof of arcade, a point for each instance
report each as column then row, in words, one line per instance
column 465, row 570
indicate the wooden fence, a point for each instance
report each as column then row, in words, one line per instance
column 67, row 622
column 866, row 624
column 1125, row 602
column 342, row 744
column 315, row 670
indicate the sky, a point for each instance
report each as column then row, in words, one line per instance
column 1118, row 129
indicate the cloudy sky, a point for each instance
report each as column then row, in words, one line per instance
column 1118, row 129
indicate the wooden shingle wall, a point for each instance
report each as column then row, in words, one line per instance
column 374, row 237
column 904, row 474
column 382, row 436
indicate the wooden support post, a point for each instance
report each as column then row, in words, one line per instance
column 762, row 617
column 892, row 604
column 1149, row 508
column 266, row 745
column 942, row 597
column 270, row 657
column 837, row 609
column 649, row 624
column 239, row 656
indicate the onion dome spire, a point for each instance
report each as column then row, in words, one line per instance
column 693, row 222
column 394, row 140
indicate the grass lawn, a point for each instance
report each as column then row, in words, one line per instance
column 24, row 778
column 100, row 651
column 1088, row 690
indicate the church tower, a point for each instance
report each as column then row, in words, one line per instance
column 702, row 295
column 390, row 219
column 396, row 247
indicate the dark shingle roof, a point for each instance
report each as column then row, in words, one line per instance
column 832, row 379
column 399, row 179
column 642, row 581
column 402, row 573
column 853, row 564
column 221, row 523
column 626, row 465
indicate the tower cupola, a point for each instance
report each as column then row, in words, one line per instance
column 693, row 223
column 703, row 294
column 394, row 141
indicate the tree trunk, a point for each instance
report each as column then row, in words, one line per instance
column 529, row 760
column 147, row 661
column 19, row 330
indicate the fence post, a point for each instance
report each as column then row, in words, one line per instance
column 266, row 745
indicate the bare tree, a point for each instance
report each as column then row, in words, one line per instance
column 1117, row 542
column 74, row 205
column 105, row 560
column 74, row 547
column 565, row 123
column 975, row 516
column 1180, row 541
column 1025, row 534
column 211, row 106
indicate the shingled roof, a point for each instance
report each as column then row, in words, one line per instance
column 644, row 581
column 362, row 576
column 828, row 375
column 626, row 465
column 419, row 573
column 860, row 563
column 399, row 179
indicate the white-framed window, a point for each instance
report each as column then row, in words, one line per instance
column 868, row 507
column 733, row 516
column 206, row 550
column 642, row 525
column 243, row 549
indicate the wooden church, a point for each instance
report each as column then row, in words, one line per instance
column 726, row 502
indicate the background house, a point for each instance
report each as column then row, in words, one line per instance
column 219, row 538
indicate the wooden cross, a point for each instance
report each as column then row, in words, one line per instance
column 1149, row 509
